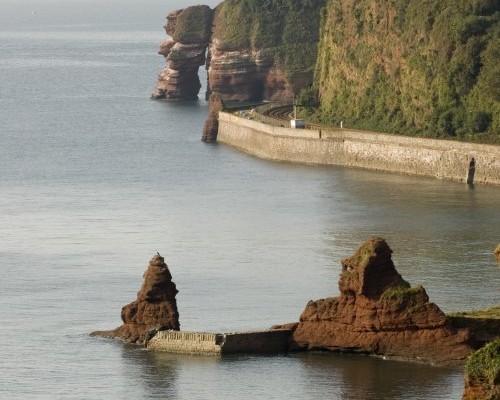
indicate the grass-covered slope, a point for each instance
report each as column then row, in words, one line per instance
column 482, row 373
column 287, row 29
column 420, row 67
column 193, row 25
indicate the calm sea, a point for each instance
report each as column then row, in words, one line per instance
column 95, row 178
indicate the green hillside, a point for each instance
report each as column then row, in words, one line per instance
column 418, row 67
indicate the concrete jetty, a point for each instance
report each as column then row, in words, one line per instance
column 203, row 343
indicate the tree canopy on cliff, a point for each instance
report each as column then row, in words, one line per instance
column 416, row 67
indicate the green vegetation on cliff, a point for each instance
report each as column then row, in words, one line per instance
column 483, row 366
column 193, row 25
column 427, row 68
column 285, row 29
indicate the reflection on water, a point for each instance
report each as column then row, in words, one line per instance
column 378, row 379
column 155, row 372
column 300, row 376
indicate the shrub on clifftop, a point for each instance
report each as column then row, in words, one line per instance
column 482, row 373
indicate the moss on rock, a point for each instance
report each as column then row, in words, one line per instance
column 482, row 371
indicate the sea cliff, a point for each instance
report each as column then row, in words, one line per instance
column 252, row 50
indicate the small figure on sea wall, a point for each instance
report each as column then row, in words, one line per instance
column 378, row 312
column 154, row 308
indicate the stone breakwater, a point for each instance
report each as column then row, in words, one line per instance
column 441, row 159
column 270, row 341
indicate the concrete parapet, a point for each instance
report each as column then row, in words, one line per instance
column 271, row 341
column 441, row 159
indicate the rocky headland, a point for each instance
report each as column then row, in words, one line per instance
column 405, row 67
column 255, row 50
column 379, row 313
column 155, row 307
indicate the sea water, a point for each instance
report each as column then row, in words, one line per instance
column 95, row 178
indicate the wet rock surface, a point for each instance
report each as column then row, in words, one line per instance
column 154, row 308
column 379, row 313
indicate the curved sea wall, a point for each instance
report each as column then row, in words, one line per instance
column 441, row 159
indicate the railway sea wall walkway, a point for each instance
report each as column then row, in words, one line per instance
column 441, row 159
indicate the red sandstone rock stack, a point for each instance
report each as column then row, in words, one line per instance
column 211, row 126
column 378, row 312
column 155, row 306
column 189, row 30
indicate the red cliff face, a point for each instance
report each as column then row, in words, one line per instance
column 154, row 307
column 379, row 313
column 242, row 72
column 248, row 74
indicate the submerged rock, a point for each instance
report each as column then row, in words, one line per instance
column 497, row 252
column 155, row 306
column 379, row 313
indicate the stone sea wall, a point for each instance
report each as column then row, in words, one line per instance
column 441, row 159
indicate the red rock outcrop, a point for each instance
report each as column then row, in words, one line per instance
column 211, row 126
column 253, row 54
column 189, row 30
column 379, row 313
column 248, row 74
column 482, row 373
column 154, row 307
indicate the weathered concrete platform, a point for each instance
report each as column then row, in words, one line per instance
column 270, row 341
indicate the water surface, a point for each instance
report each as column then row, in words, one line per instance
column 95, row 179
